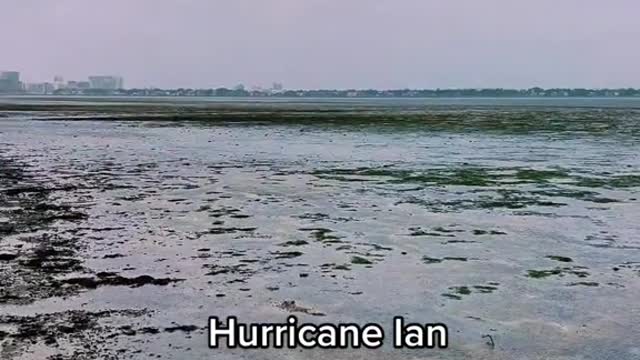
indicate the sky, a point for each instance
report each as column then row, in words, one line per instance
column 326, row 43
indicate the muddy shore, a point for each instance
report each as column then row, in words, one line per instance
column 123, row 228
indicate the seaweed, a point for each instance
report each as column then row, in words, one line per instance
column 359, row 260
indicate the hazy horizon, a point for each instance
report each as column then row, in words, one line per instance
column 326, row 44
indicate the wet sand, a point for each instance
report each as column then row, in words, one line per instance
column 123, row 227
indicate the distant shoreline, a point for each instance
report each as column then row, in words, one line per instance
column 305, row 98
column 533, row 92
column 17, row 95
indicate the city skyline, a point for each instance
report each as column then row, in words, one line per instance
column 114, row 86
column 10, row 83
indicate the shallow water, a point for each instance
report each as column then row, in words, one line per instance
column 529, row 236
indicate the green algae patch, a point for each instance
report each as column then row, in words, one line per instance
column 359, row 260
column 559, row 258
column 430, row 260
column 484, row 289
column 461, row 290
column 584, row 283
column 438, row 231
column 344, row 267
column 293, row 243
column 540, row 175
column 454, row 258
column 488, row 232
column 541, row 274
column 323, row 235
column 491, row 187
column 457, row 292
column 612, row 182
column 452, row 296
column 455, row 176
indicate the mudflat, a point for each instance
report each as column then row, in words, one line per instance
column 126, row 223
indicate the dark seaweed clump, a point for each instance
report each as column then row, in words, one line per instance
column 558, row 271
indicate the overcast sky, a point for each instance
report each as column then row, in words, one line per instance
column 326, row 43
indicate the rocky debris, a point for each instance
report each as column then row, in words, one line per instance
column 291, row 306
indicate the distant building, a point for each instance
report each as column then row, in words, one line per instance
column 40, row 88
column 78, row 85
column 10, row 81
column 49, row 88
column 35, row 88
column 276, row 88
column 106, row 82
column 58, row 82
